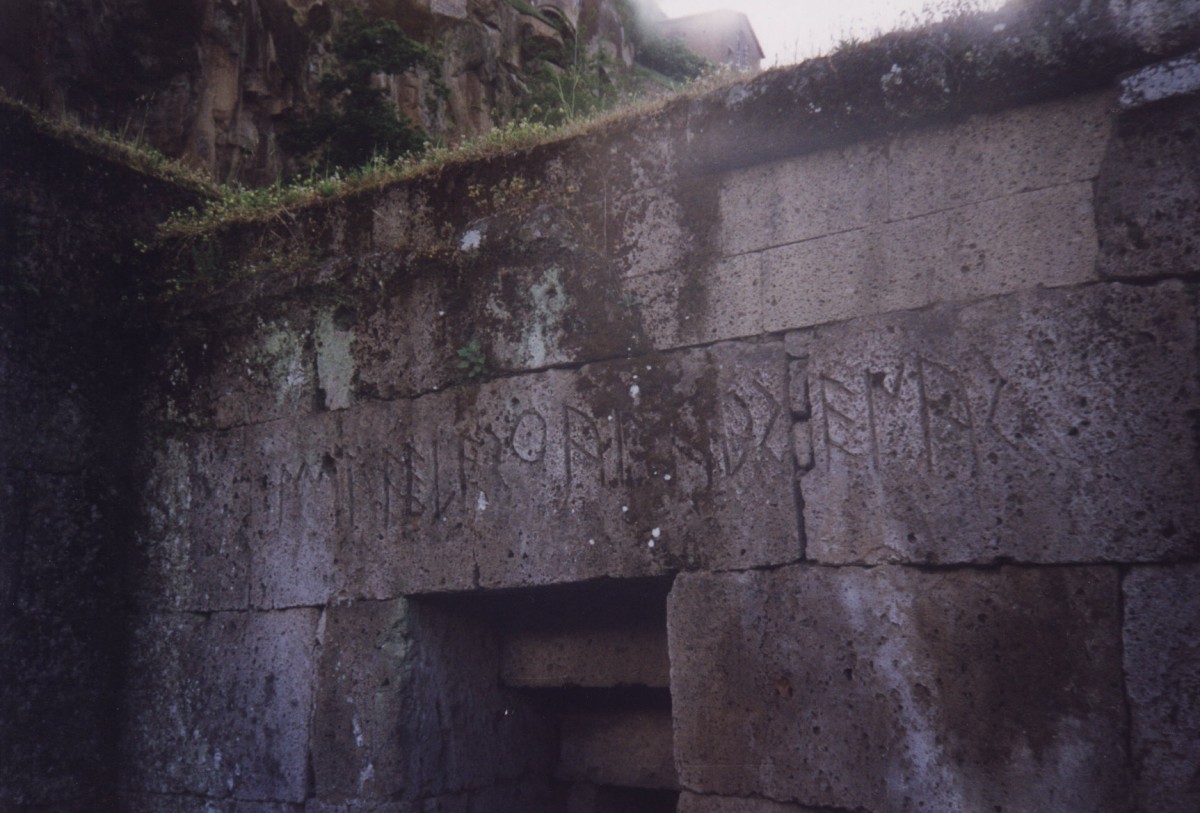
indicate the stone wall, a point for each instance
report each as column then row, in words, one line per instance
column 824, row 443
column 69, row 339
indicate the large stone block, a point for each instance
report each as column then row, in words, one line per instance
column 700, row 304
column 1148, row 194
column 896, row 689
column 409, row 707
column 624, row 468
column 697, row 803
column 192, row 548
column 1043, row 427
column 590, row 657
column 295, row 500
column 1040, row 238
column 220, row 704
column 626, row 748
column 234, row 377
column 357, row 750
column 997, row 155
column 1162, row 677
column 802, row 198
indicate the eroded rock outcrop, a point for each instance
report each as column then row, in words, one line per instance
column 217, row 81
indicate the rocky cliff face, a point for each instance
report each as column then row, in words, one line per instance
column 216, row 81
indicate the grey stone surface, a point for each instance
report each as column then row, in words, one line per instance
column 1175, row 77
column 295, row 499
column 630, row 748
column 589, row 657
column 894, row 689
column 334, row 339
column 714, row 301
column 997, row 155
column 1148, row 194
column 1162, row 678
column 1043, row 427
column 357, row 747
column 697, row 803
column 409, row 707
column 214, row 378
column 1045, row 237
column 801, row 198
column 220, row 704
column 192, row 549
column 625, row 468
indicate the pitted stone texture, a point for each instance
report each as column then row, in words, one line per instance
column 156, row 803
column 220, row 704
column 1148, row 195
column 356, row 748
column 696, row 305
column 593, row 657
column 626, row 748
column 801, row 198
column 998, row 155
column 395, row 349
column 696, row 803
column 892, row 689
column 295, row 497
column 624, row 468
column 1162, row 676
column 1041, row 238
column 262, row 373
column 409, row 707
column 509, row 312
column 1044, row 427
column 193, row 542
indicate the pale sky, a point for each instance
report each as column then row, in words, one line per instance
column 793, row 30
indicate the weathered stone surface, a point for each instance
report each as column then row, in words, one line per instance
column 801, row 198
column 409, row 707
column 1040, row 238
column 697, row 305
column 193, row 544
column 589, row 657
column 630, row 748
column 261, row 373
column 998, row 155
column 696, row 803
column 895, row 689
column 461, row 730
column 175, row 803
column 624, row 468
column 220, row 704
column 1175, row 77
column 1044, row 427
column 361, row 680
column 1162, row 677
column 1148, row 194
column 295, row 499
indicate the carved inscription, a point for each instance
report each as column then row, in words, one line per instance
column 917, row 410
column 407, row 466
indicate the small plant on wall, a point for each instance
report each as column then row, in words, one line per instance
column 472, row 361
column 356, row 122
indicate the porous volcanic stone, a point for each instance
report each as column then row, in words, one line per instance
column 1162, row 676
column 1042, row 427
column 220, row 704
column 625, row 468
column 894, row 689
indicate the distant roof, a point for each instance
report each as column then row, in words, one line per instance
column 724, row 36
